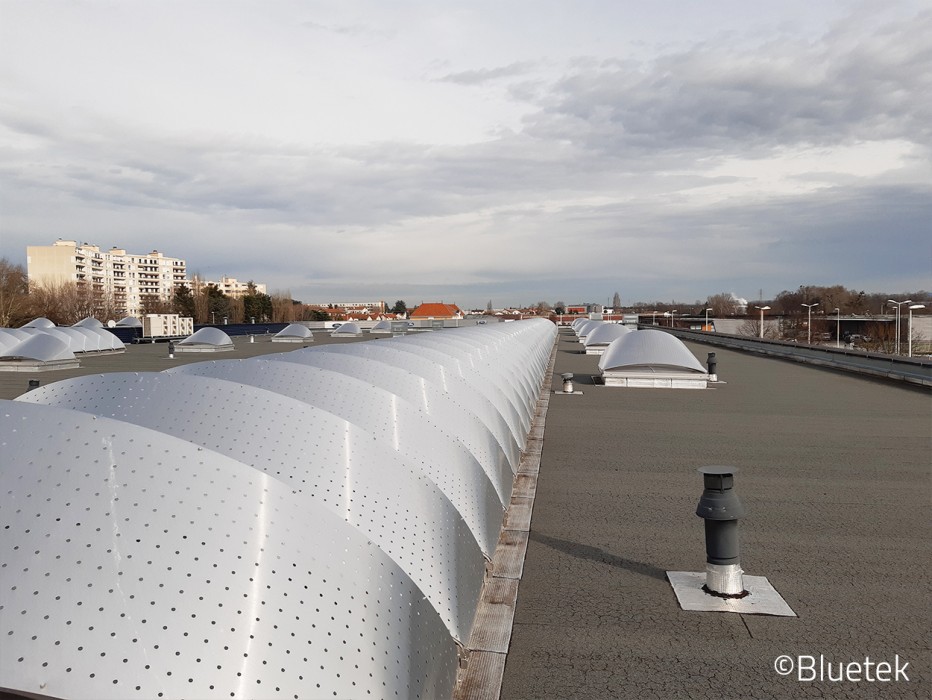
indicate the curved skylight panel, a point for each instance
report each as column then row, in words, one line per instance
column 490, row 382
column 389, row 419
column 514, row 355
column 494, row 413
column 41, row 347
column 587, row 328
column 129, row 322
column 495, row 359
column 208, row 336
column 446, row 382
column 40, row 322
column 18, row 333
column 7, row 340
column 647, row 348
column 89, row 322
column 381, row 327
column 108, row 341
column 93, row 341
column 606, row 333
column 146, row 566
column 297, row 331
column 77, row 342
column 348, row 328
column 326, row 459
column 489, row 379
column 429, row 399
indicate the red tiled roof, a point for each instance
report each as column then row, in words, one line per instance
column 436, row 310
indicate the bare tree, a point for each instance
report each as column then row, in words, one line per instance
column 64, row 303
column 14, row 294
column 283, row 310
column 237, row 313
column 201, row 299
column 722, row 304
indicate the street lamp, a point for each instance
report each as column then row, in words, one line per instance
column 809, row 324
column 897, row 304
column 670, row 314
column 707, row 318
column 653, row 318
column 762, row 310
column 838, row 328
column 910, row 327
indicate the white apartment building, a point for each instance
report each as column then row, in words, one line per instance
column 232, row 287
column 130, row 280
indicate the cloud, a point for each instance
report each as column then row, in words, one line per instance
column 847, row 86
column 711, row 167
column 486, row 75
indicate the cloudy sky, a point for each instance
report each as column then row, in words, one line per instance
column 512, row 150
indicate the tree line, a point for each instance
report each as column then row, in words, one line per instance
column 67, row 303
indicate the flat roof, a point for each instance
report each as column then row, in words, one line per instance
column 834, row 471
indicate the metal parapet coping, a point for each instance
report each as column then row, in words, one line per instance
column 482, row 660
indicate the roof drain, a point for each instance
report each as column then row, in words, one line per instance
column 723, row 587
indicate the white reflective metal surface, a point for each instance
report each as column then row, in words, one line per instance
column 140, row 565
column 326, row 459
column 309, row 524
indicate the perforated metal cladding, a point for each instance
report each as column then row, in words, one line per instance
column 432, row 401
column 270, row 507
column 488, row 380
column 498, row 415
column 515, row 367
column 489, row 355
column 135, row 564
column 392, row 421
column 320, row 456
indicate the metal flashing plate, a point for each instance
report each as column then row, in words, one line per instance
column 763, row 598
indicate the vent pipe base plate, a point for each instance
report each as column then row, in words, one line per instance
column 762, row 598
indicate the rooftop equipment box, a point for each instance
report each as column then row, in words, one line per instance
column 166, row 325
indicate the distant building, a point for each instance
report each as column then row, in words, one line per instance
column 361, row 307
column 232, row 287
column 436, row 310
column 124, row 283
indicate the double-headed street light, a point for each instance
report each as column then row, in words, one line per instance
column 762, row 310
column 809, row 324
column 838, row 328
column 896, row 345
column 707, row 318
column 670, row 314
column 910, row 328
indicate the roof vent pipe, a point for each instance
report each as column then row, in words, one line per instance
column 721, row 509
column 567, row 383
column 712, row 363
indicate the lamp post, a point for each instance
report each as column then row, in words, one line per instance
column 896, row 344
column 909, row 329
column 762, row 310
column 653, row 318
column 809, row 323
column 838, row 328
column 672, row 313
column 707, row 318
